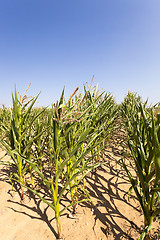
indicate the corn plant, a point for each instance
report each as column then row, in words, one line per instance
column 54, row 183
column 41, row 127
column 102, row 115
column 70, row 123
column 18, row 135
column 143, row 127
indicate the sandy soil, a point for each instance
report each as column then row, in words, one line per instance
column 111, row 217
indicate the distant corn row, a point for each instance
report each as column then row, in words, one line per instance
column 59, row 145
column 143, row 127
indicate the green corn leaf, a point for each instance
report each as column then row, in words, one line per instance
column 9, row 151
column 74, row 203
column 142, row 151
column 129, row 192
column 35, row 167
column 139, row 197
column 30, row 124
column 29, row 145
column 146, row 230
column 156, row 212
column 150, row 158
column 73, row 177
column 150, row 176
column 137, row 161
column 37, row 194
column 26, row 114
column 55, row 135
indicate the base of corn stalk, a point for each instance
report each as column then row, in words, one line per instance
column 22, row 193
column 74, row 207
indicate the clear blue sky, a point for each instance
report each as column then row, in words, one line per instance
column 57, row 43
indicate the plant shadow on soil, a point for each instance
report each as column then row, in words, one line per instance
column 4, row 176
column 103, row 190
column 98, row 191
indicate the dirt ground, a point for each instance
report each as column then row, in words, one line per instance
column 112, row 216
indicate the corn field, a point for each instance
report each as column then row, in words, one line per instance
column 56, row 147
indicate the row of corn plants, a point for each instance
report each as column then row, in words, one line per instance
column 142, row 125
column 4, row 117
column 18, row 135
column 57, row 145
